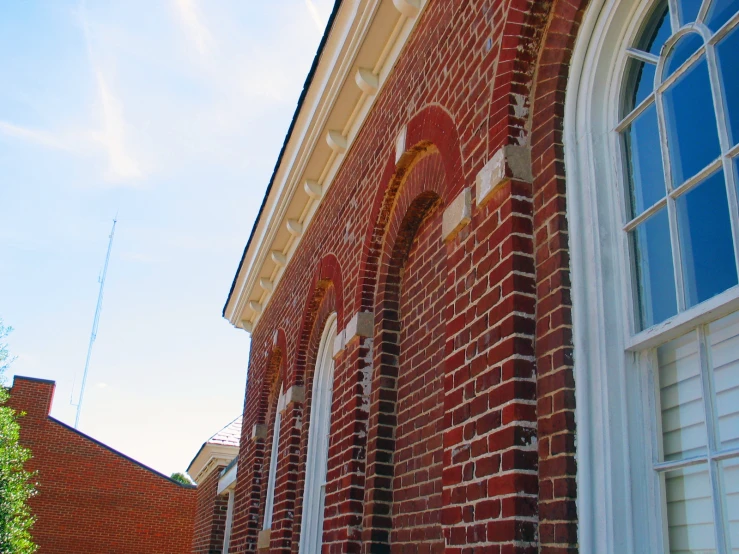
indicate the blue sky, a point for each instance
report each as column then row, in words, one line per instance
column 171, row 113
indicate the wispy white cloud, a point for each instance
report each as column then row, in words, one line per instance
column 122, row 165
column 36, row 136
column 112, row 136
column 315, row 15
column 194, row 25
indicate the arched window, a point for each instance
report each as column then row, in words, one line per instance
column 269, row 502
column 652, row 129
column 680, row 130
column 316, row 465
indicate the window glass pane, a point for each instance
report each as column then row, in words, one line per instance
column 690, row 510
column 724, row 345
column 730, row 475
column 656, row 31
column 720, row 12
column 639, row 83
column 685, row 47
column 689, row 11
column 705, row 240
column 681, row 399
column 692, row 134
column 727, row 59
column 654, row 270
column 644, row 162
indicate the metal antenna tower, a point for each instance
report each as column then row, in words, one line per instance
column 95, row 322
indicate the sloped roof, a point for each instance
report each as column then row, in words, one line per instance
column 229, row 435
column 224, row 445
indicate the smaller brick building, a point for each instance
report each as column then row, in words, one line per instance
column 214, row 469
column 91, row 498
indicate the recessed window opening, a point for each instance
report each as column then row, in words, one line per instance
column 314, row 494
column 269, row 503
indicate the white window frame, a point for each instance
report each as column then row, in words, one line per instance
column 227, row 484
column 314, row 493
column 618, row 497
column 229, row 521
column 272, row 475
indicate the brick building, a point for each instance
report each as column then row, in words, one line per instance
column 492, row 289
column 214, row 469
column 91, row 498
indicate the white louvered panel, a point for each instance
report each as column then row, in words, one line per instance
column 690, row 510
column 724, row 341
column 683, row 414
column 731, row 500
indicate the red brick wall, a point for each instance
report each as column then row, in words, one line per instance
column 417, row 460
column 210, row 515
column 92, row 499
column 476, row 75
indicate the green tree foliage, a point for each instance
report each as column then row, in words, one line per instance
column 15, row 482
column 180, row 478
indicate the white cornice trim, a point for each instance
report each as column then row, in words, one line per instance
column 208, row 458
column 228, row 479
column 363, row 46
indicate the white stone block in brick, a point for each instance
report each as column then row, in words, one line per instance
column 263, row 539
column 259, row 431
column 295, row 394
column 361, row 325
column 339, row 343
column 400, row 146
column 457, row 215
column 509, row 162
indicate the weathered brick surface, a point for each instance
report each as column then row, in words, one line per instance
column 210, row 515
column 91, row 498
column 417, row 485
column 453, row 425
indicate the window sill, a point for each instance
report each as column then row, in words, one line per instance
column 705, row 312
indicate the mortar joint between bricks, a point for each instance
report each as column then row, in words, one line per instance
column 524, row 198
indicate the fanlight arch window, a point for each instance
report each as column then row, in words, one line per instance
column 679, row 132
column 316, row 466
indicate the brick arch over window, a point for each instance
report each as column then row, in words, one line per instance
column 253, row 456
column 325, row 305
column 325, row 299
column 558, row 520
column 279, row 342
column 400, row 446
column 518, row 52
column 431, row 131
column 327, row 280
column 274, row 378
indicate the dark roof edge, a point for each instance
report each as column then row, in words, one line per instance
column 306, row 86
column 196, row 457
column 119, row 454
column 34, row 379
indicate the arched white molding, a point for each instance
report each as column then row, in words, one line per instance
column 271, row 477
column 605, row 461
column 314, row 494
